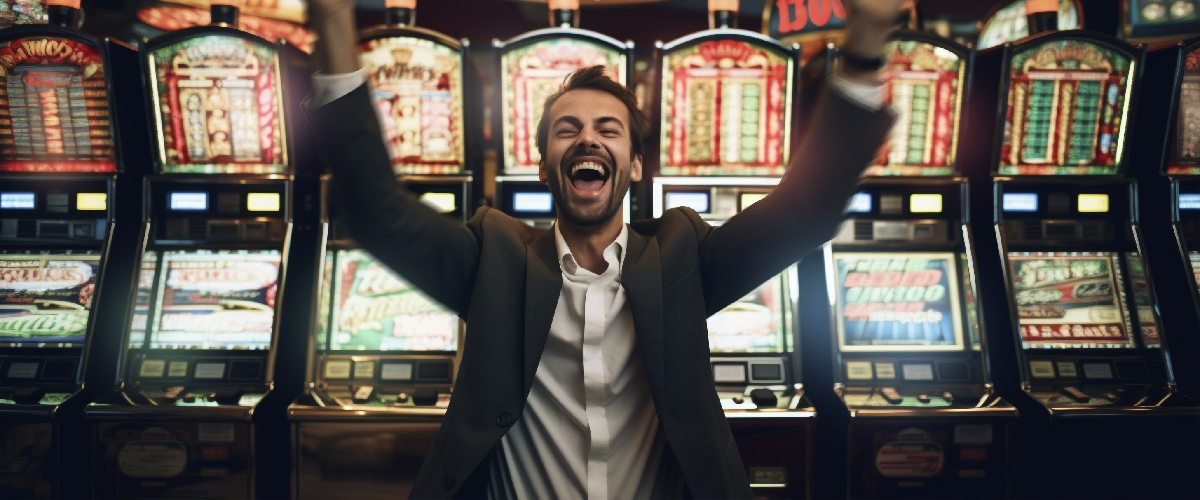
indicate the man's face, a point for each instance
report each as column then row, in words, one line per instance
column 589, row 160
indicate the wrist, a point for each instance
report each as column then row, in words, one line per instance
column 336, row 50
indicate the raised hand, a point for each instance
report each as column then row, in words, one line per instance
column 336, row 50
column 868, row 25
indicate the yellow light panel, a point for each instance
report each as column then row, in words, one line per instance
column 925, row 203
column 442, row 202
column 262, row 202
column 748, row 199
column 91, row 201
column 1093, row 203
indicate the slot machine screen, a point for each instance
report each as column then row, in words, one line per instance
column 531, row 73
column 924, row 87
column 760, row 322
column 897, row 302
column 53, row 106
column 726, row 107
column 218, row 106
column 13, row 12
column 45, row 298
column 417, row 86
column 202, row 299
column 1186, row 157
column 1009, row 23
column 1194, row 259
column 1069, row 300
column 1067, row 102
column 368, row 307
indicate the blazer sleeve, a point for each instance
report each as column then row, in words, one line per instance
column 802, row 212
column 433, row 252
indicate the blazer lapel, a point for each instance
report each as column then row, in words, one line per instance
column 641, row 276
column 543, row 284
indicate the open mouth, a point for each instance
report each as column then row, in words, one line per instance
column 588, row 175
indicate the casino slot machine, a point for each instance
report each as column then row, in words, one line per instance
column 69, row 191
column 1067, row 265
column 725, row 123
column 1008, row 22
column 384, row 354
column 532, row 66
column 1169, row 196
column 198, row 355
column 910, row 360
column 1148, row 20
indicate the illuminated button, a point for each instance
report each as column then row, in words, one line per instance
column 1093, row 203
column 441, row 202
column 748, row 199
column 262, row 202
column 91, row 201
column 927, row 203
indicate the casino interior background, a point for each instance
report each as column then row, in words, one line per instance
column 1011, row 310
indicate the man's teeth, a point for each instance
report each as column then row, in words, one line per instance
column 587, row 165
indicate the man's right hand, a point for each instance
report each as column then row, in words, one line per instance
column 336, row 50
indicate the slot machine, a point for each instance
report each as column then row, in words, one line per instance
column 1169, row 196
column 1067, row 268
column 69, row 191
column 384, row 355
column 1008, row 22
column 532, row 66
column 198, row 355
column 725, row 133
column 910, row 362
column 1159, row 19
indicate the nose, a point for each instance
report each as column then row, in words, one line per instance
column 589, row 138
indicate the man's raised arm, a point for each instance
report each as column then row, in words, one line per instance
column 807, row 206
column 434, row 253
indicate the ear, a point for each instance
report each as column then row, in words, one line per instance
column 542, row 175
column 635, row 169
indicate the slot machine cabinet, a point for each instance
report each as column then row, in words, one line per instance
column 1070, row 253
column 1169, row 196
column 198, row 353
column 72, row 151
column 724, row 117
column 1149, row 20
column 1007, row 22
column 384, row 355
column 910, row 359
column 532, row 66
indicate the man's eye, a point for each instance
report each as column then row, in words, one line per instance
column 610, row 132
column 566, row 132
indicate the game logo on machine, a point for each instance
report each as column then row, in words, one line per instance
column 54, row 114
column 726, row 108
column 418, row 90
column 897, row 302
column 371, row 308
column 1069, row 299
column 924, row 85
column 1067, row 105
column 46, row 298
column 910, row 453
column 215, row 300
column 1009, row 23
column 1185, row 159
column 531, row 73
column 757, row 323
column 218, row 106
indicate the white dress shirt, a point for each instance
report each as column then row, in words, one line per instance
column 589, row 428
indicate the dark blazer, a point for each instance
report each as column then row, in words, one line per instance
column 503, row 278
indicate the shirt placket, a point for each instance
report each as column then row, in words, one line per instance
column 595, row 382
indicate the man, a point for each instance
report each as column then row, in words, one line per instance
column 585, row 368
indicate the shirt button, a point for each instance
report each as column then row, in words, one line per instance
column 448, row 481
column 504, row 419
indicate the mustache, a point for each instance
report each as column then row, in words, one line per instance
column 580, row 152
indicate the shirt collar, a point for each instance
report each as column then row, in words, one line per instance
column 614, row 254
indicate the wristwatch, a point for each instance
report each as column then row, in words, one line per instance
column 857, row 62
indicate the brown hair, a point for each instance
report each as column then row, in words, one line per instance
column 593, row 77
